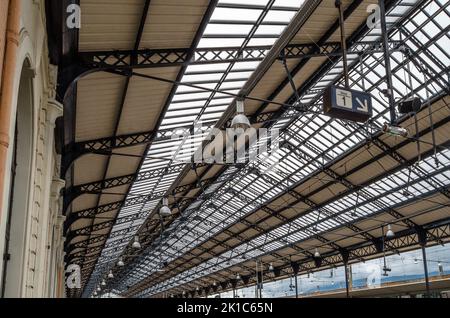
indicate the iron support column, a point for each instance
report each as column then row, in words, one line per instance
column 347, row 278
column 425, row 269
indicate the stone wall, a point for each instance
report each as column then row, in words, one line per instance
column 42, row 271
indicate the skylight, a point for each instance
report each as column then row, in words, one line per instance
column 319, row 137
column 240, row 24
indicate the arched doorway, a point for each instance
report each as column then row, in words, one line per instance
column 20, row 184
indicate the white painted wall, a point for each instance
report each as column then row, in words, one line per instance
column 41, row 268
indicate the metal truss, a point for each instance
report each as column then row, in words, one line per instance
column 405, row 240
column 123, row 62
column 148, row 58
column 92, row 212
column 291, row 52
column 303, row 52
column 375, row 245
column 98, row 186
column 106, row 146
column 351, row 189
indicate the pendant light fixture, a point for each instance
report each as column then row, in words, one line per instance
column 271, row 267
column 240, row 121
column 238, row 277
column 165, row 211
column 395, row 131
column 136, row 243
column 160, row 269
column 389, row 233
column 120, row 263
column 316, row 253
column 110, row 275
column 103, row 283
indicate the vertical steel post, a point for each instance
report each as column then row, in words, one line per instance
column 387, row 61
column 338, row 4
column 257, row 281
column 296, row 285
column 262, row 281
column 425, row 269
column 347, row 284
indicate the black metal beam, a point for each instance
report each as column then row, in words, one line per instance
column 94, row 188
column 137, row 43
column 147, row 58
column 97, row 187
column 75, row 150
column 123, row 61
column 106, row 146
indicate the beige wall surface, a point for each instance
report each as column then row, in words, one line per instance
column 3, row 20
column 41, row 269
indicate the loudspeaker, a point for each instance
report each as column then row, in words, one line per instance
column 410, row 105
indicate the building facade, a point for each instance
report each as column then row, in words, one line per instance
column 31, row 240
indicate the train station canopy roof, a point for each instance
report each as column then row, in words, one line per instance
column 144, row 84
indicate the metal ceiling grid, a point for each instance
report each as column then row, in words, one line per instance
column 232, row 212
column 372, row 76
column 343, row 208
column 174, row 151
column 132, row 223
column 426, row 56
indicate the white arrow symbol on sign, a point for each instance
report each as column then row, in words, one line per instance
column 363, row 106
